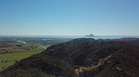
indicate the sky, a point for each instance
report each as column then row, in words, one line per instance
column 69, row 17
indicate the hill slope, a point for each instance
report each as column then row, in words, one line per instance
column 82, row 58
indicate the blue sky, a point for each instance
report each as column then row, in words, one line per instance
column 69, row 17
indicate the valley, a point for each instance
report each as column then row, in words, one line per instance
column 14, row 49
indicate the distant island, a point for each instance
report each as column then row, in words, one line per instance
column 90, row 35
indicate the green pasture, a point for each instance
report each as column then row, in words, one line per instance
column 9, row 59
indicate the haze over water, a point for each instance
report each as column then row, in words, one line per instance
column 73, row 36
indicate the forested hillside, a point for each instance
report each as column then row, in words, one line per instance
column 82, row 57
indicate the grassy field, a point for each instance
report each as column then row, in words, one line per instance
column 7, row 60
column 20, row 52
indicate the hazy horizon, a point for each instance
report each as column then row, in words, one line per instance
column 69, row 17
column 61, row 35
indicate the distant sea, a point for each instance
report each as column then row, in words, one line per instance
column 70, row 36
column 113, row 37
column 97, row 37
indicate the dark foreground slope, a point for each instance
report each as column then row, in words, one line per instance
column 82, row 58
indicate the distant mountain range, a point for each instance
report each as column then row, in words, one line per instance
column 84, row 57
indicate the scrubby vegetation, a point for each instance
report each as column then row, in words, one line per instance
column 83, row 57
column 40, row 66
